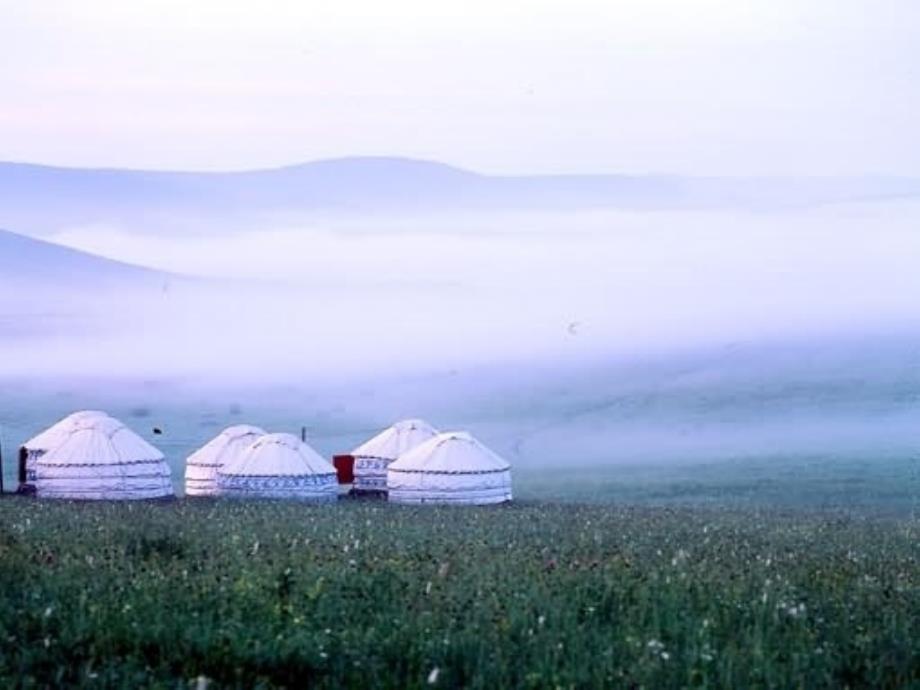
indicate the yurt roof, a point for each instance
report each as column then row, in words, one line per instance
column 396, row 440
column 57, row 432
column 100, row 441
column 453, row 452
column 237, row 435
column 276, row 455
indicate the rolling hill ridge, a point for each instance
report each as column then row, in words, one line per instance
column 40, row 200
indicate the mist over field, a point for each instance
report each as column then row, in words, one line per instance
column 650, row 267
column 564, row 337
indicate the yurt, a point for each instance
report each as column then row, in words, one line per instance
column 202, row 465
column 278, row 466
column 374, row 456
column 451, row 468
column 102, row 459
column 51, row 437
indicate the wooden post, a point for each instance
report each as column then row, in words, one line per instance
column 303, row 434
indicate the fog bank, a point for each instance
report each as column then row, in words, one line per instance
column 359, row 299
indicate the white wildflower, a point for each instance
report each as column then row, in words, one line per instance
column 795, row 610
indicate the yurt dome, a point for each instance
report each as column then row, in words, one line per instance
column 202, row 465
column 374, row 456
column 452, row 467
column 102, row 459
column 51, row 437
column 278, row 466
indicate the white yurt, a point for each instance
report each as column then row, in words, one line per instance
column 51, row 437
column 102, row 459
column 279, row 466
column 202, row 465
column 374, row 456
column 450, row 468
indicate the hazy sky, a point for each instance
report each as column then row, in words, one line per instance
column 702, row 86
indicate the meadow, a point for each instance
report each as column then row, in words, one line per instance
column 716, row 535
column 537, row 594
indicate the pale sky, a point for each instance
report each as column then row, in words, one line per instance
column 699, row 87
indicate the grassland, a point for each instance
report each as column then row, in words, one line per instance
column 248, row 595
column 860, row 484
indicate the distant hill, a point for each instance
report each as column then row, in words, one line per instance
column 39, row 278
column 49, row 289
column 25, row 260
column 40, row 200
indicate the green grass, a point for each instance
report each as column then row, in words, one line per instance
column 877, row 486
column 530, row 595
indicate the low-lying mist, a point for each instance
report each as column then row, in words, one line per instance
column 403, row 295
column 580, row 337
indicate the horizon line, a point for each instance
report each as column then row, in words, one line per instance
column 434, row 163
